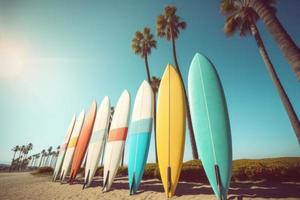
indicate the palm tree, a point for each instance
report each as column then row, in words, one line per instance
column 54, row 158
column 142, row 43
column 168, row 25
column 37, row 158
column 155, row 82
column 266, row 11
column 22, row 149
column 48, row 154
column 24, row 157
column 29, row 147
column 25, row 153
column 33, row 160
column 30, row 158
column 241, row 17
column 43, row 153
column 21, row 155
column 15, row 150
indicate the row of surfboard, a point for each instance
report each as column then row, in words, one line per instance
column 88, row 135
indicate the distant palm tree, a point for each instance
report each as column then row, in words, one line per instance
column 29, row 159
column 24, row 158
column 155, row 82
column 21, row 155
column 265, row 10
column 26, row 150
column 22, row 149
column 37, row 158
column 48, row 155
column 142, row 43
column 54, row 158
column 29, row 147
column 241, row 17
column 15, row 150
column 33, row 160
column 168, row 25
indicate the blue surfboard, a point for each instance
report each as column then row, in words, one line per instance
column 211, row 123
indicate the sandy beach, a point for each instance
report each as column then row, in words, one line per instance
column 24, row 185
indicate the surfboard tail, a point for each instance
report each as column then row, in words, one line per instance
column 86, row 180
column 54, row 177
column 169, row 181
column 106, row 181
column 71, row 177
column 132, row 186
column 219, row 182
column 62, row 176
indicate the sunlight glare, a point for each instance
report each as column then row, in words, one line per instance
column 12, row 58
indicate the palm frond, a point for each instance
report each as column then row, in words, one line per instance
column 142, row 42
column 231, row 26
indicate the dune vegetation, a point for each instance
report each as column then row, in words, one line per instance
column 269, row 169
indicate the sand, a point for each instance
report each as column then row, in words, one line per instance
column 23, row 185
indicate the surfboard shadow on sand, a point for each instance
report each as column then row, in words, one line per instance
column 238, row 190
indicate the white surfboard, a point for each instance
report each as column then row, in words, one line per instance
column 116, row 140
column 139, row 135
column 63, row 148
column 71, row 146
column 97, row 140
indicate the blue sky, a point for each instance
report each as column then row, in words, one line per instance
column 58, row 56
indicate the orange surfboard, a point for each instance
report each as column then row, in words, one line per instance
column 83, row 141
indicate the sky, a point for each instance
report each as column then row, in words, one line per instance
column 56, row 57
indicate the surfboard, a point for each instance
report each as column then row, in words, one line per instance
column 116, row 140
column 139, row 135
column 97, row 140
column 211, row 123
column 170, row 129
column 63, row 148
column 83, row 141
column 71, row 146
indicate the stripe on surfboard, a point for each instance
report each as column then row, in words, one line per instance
column 97, row 136
column 141, row 126
column 73, row 142
column 118, row 134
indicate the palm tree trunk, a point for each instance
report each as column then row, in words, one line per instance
column 284, row 98
column 12, row 161
column 279, row 34
column 14, row 155
column 122, row 160
column 40, row 164
column 154, row 114
column 154, row 125
column 189, row 118
column 147, row 69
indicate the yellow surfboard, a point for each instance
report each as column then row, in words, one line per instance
column 170, row 129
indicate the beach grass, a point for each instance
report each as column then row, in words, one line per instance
column 269, row 169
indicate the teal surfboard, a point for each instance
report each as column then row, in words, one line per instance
column 211, row 123
column 139, row 135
